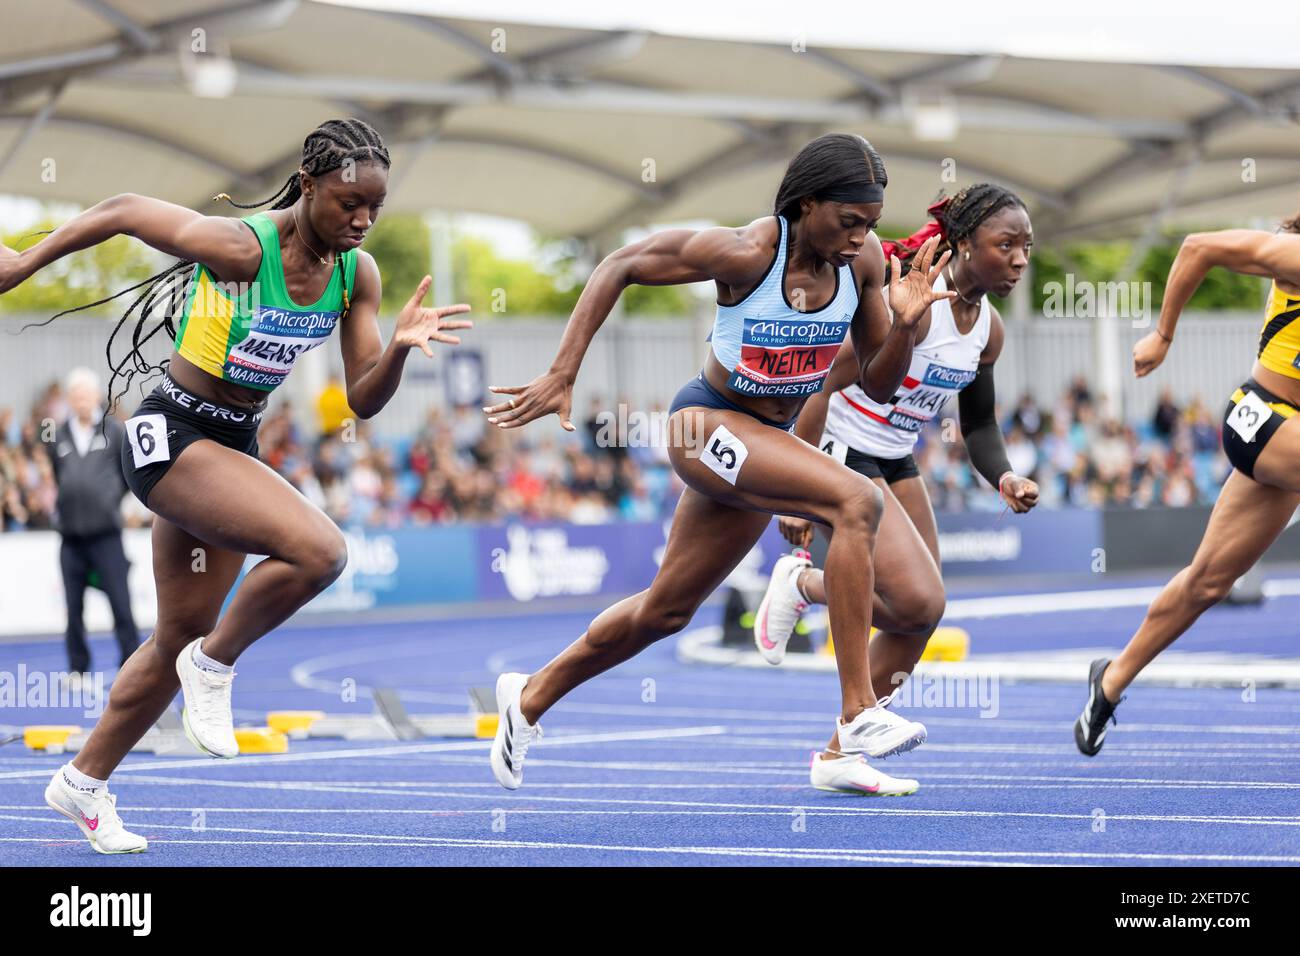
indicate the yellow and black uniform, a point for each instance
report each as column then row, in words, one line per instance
column 1254, row 413
column 250, row 335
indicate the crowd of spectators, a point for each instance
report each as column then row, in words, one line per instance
column 1080, row 459
column 457, row 468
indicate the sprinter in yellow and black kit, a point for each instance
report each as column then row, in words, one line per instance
column 1261, row 438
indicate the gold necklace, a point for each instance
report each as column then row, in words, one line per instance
column 953, row 280
column 323, row 260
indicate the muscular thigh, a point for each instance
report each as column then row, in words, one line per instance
column 1278, row 464
column 1245, row 521
column 232, row 501
column 746, row 465
column 907, row 544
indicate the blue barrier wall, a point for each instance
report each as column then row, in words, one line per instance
column 521, row 563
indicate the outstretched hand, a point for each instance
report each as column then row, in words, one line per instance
column 911, row 295
column 545, row 394
column 418, row 325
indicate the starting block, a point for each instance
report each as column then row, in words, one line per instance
column 166, row 738
column 390, row 721
column 49, row 737
column 945, row 644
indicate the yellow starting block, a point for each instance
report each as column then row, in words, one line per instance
column 295, row 724
column 261, row 740
column 49, row 737
column 390, row 721
column 945, row 644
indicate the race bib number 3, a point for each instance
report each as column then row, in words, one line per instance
column 1249, row 416
column 724, row 453
column 148, row 437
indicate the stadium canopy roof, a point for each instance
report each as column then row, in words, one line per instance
column 584, row 131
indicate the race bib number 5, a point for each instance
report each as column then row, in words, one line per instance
column 724, row 453
column 148, row 437
column 1249, row 416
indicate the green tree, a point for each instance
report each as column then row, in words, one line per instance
column 81, row 278
column 402, row 250
column 1102, row 262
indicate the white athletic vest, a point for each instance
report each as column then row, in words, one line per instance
column 770, row 348
column 942, row 365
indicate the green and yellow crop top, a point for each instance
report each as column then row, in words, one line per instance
column 253, row 333
column 1279, row 340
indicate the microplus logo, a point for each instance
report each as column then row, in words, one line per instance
column 103, row 909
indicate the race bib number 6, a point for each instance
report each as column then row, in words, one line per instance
column 724, row 453
column 148, row 437
column 1249, row 416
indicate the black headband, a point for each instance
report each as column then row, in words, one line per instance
column 853, row 192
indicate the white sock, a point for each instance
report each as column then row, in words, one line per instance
column 794, row 584
column 80, row 781
column 205, row 663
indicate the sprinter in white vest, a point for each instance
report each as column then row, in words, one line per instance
column 988, row 230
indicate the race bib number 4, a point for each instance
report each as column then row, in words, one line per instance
column 1249, row 416
column 836, row 449
column 148, row 437
column 724, row 453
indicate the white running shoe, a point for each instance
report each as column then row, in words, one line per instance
column 206, row 715
column 514, row 734
column 95, row 812
column 852, row 774
column 782, row 604
column 878, row 732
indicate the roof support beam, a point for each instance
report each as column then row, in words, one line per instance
column 115, row 130
column 33, row 126
column 136, row 35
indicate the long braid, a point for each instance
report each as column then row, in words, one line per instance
column 330, row 146
column 955, row 218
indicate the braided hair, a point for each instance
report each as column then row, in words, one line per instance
column 328, row 147
column 830, row 161
column 954, row 218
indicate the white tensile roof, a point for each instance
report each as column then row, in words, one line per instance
column 584, row 130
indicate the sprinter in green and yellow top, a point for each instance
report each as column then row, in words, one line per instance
column 253, row 336
column 251, row 297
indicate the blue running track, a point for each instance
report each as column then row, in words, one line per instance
column 663, row 763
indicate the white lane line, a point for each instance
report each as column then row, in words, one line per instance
column 404, row 750
column 878, row 855
column 1011, row 779
column 857, row 807
column 1030, row 725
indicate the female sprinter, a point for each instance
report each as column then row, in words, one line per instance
column 730, row 428
column 192, row 450
column 1261, row 437
column 874, row 432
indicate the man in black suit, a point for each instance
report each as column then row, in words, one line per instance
column 87, row 467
